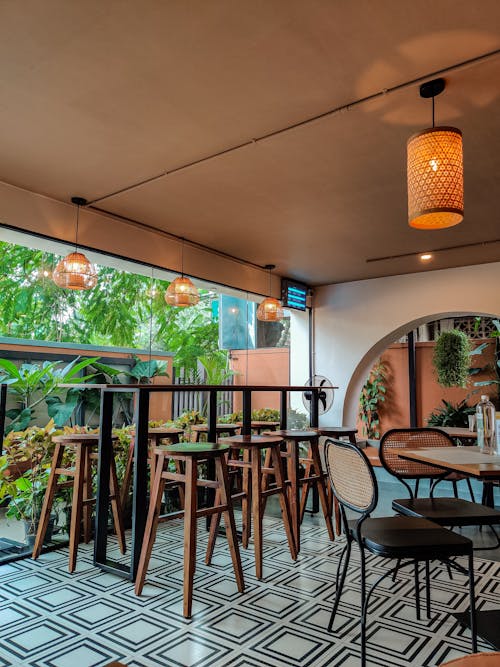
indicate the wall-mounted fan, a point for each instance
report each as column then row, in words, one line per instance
column 326, row 395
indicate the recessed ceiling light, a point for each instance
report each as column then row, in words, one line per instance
column 426, row 257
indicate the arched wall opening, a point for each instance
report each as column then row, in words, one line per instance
column 354, row 322
column 361, row 372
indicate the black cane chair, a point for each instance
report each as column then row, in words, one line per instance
column 407, row 540
column 452, row 512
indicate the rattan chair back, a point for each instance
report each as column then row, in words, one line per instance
column 351, row 476
column 411, row 438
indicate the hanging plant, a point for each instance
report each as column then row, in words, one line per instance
column 370, row 399
column 451, row 358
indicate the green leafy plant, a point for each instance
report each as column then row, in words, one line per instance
column 372, row 395
column 32, row 384
column 451, row 415
column 451, row 358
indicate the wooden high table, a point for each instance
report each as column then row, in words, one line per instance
column 485, row 467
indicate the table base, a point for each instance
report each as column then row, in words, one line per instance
column 488, row 623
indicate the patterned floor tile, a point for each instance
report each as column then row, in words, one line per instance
column 50, row 618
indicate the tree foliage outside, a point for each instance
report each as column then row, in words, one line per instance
column 124, row 309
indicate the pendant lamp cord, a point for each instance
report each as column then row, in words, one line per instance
column 77, row 221
column 182, row 258
column 433, row 111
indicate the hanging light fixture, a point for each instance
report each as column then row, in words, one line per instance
column 181, row 292
column 435, row 172
column 270, row 309
column 75, row 271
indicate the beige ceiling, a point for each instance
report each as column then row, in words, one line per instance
column 96, row 96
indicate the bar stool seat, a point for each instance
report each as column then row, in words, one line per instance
column 199, row 429
column 339, row 432
column 84, row 445
column 314, row 475
column 259, row 426
column 252, row 496
column 190, row 455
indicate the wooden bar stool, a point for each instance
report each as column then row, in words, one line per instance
column 84, row 445
column 198, row 429
column 155, row 436
column 190, row 455
column 252, row 447
column 314, row 476
column 259, row 426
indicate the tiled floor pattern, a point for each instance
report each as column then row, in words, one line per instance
column 49, row 618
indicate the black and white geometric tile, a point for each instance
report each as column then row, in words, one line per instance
column 50, row 618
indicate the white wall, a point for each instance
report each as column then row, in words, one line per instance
column 354, row 322
column 299, row 355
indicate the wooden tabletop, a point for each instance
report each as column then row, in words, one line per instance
column 469, row 460
column 78, row 437
column 218, row 427
column 340, row 430
column 458, row 432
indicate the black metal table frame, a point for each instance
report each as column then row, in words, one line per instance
column 141, row 395
column 487, row 621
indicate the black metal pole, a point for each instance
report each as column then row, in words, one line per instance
column 412, row 379
column 247, row 412
column 314, row 415
column 212, row 416
column 3, row 404
column 103, row 467
column 283, row 409
column 139, row 498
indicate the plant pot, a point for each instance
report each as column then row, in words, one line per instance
column 31, row 528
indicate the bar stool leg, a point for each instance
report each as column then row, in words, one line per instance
column 76, row 508
column 214, row 529
column 48, row 500
column 294, row 489
column 306, row 486
column 87, row 494
column 325, row 503
column 256, row 508
column 285, row 510
column 224, row 493
column 156, row 494
column 127, row 477
column 190, row 507
column 246, row 502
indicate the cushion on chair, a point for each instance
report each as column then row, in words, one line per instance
column 447, row 511
column 475, row 660
column 408, row 537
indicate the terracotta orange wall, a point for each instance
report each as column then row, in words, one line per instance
column 395, row 411
column 266, row 366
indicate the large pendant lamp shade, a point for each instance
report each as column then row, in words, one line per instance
column 75, row 271
column 435, row 172
column 270, row 309
column 181, row 292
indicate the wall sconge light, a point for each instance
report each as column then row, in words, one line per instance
column 435, row 172
column 75, row 271
column 426, row 257
column 181, row 292
column 270, row 309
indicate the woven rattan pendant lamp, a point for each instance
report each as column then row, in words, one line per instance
column 75, row 271
column 270, row 309
column 181, row 292
column 435, row 172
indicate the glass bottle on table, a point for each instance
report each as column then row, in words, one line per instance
column 486, row 427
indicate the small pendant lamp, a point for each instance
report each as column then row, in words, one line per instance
column 435, row 172
column 270, row 309
column 75, row 271
column 181, row 292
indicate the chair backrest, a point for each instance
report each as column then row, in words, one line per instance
column 411, row 438
column 351, row 476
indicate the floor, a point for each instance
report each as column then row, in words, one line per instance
column 49, row 618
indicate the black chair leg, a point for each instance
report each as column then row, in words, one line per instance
column 340, row 586
column 473, row 626
column 364, row 607
column 428, row 588
column 417, row 590
column 417, row 482
column 455, row 489
column 394, row 574
column 469, row 486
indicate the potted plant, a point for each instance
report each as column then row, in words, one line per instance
column 24, row 472
column 452, row 358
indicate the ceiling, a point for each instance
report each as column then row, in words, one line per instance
column 95, row 97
